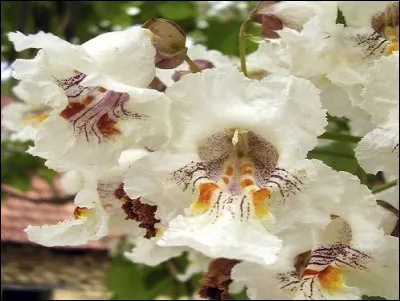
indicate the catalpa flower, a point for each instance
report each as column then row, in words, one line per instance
column 334, row 56
column 98, row 94
column 233, row 175
column 379, row 149
column 100, row 210
column 23, row 118
column 351, row 257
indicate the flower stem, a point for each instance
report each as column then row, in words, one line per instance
column 242, row 45
column 384, row 186
column 340, row 137
column 192, row 65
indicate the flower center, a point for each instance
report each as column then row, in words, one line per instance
column 236, row 160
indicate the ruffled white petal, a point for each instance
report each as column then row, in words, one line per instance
column 71, row 232
column 247, row 241
column 381, row 90
column 229, row 99
column 147, row 251
column 379, row 150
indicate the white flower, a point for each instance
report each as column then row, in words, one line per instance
column 108, row 60
column 72, row 181
column 99, row 212
column 379, row 149
column 195, row 52
column 272, row 56
column 350, row 257
column 23, row 118
column 238, row 164
column 380, row 96
column 342, row 53
column 98, row 97
column 147, row 251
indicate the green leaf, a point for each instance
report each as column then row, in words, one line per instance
column 338, row 155
column 340, row 18
column 176, row 10
column 130, row 281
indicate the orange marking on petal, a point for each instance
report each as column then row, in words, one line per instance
column 81, row 212
column 246, row 169
column 229, row 171
column 393, row 47
column 71, row 109
column 225, row 179
column 246, row 183
column 102, row 89
column 88, row 99
column 309, row 272
column 107, row 126
column 206, row 192
column 331, row 278
column 258, row 199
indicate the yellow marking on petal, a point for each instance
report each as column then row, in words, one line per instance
column 206, row 191
column 36, row 118
column 331, row 278
column 159, row 232
column 258, row 198
column 81, row 212
column 393, row 47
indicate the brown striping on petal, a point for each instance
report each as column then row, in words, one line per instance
column 215, row 282
column 137, row 211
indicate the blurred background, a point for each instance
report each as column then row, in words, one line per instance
column 31, row 194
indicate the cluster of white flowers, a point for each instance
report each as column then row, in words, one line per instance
column 216, row 164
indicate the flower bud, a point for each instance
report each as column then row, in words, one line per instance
column 169, row 40
column 275, row 15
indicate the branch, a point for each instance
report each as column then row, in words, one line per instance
column 12, row 192
column 384, row 186
column 340, row 137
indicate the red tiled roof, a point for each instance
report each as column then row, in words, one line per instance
column 17, row 214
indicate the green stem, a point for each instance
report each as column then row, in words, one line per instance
column 330, row 153
column 340, row 137
column 242, row 45
column 384, row 186
column 192, row 65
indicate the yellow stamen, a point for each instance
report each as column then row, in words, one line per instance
column 36, row 118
